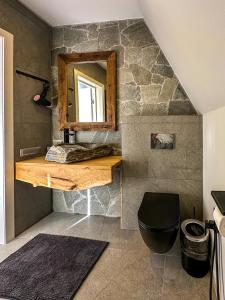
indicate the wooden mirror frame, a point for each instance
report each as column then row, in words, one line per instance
column 63, row 60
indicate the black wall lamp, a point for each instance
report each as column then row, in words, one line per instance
column 39, row 99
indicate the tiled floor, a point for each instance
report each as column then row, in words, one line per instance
column 127, row 270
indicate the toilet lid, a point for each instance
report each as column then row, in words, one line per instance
column 159, row 211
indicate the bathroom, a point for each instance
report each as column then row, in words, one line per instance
column 149, row 100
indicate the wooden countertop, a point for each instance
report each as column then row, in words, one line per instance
column 67, row 177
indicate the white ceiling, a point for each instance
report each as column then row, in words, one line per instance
column 191, row 34
column 68, row 12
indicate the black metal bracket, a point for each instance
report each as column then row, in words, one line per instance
column 31, row 76
column 210, row 224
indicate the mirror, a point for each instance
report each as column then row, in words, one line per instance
column 87, row 90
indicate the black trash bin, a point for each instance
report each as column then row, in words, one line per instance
column 194, row 248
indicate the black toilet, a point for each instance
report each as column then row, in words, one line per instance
column 159, row 220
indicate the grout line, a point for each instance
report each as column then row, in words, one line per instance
column 163, row 276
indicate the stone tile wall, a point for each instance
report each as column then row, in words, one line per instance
column 170, row 171
column 146, row 85
column 104, row 200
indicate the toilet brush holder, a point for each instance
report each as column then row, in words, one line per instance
column 194, row 248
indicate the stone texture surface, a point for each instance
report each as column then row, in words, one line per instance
column 176, row 171
column 146, row 83
column 127, row 269
column 141, row 75
column 103, row 200
column 32, row 123
column 181, row 106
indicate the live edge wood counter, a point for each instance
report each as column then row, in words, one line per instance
column 67, row 177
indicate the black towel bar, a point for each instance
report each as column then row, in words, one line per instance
column 31, row 76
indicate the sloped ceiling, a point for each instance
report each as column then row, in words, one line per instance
column 68, row 12
column 191, row 34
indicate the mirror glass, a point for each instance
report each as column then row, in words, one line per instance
column 86, row 91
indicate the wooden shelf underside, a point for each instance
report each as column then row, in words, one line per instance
column 67, row 177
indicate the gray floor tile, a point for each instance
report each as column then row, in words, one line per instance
column 127, row 269
column 178, row 284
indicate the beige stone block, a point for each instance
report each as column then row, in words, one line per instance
column 141, row 75
column 150, row 93
column 128, row 108
column 138, row 35
column 132, row 55
column 168, row 88
column 86, row 46
column 125, row 76
column 149, row 55
column 129, row 92
column 157, row 79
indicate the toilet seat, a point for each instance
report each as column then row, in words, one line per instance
column 159, row 211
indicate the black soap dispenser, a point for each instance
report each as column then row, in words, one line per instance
column 69, row 136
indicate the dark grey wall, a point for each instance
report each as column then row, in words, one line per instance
column 32, row 124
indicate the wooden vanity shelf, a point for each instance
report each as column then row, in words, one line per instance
column 67, row 177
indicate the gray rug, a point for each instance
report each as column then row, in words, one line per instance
column 49, row 267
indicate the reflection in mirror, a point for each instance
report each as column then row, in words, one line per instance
column 87, row 91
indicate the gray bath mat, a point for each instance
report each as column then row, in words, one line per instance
column 49, row 267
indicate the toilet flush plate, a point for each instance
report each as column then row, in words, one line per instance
column 163, row 141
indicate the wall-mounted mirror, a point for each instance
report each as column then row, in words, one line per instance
column 87, row 90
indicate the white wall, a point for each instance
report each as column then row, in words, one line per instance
column 192, row 36
column 213, row 161
column 7, row 231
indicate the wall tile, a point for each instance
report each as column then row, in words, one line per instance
column 190, row 192
column 168, row 89
column 179, row 107
column 109, row 37
column 141, row 75
column 175, row 171
column 73, row 36
column 138, row 35
column 149, row 56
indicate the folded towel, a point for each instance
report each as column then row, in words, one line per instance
column 79, row 152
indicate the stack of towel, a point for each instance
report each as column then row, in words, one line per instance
column 73, row 153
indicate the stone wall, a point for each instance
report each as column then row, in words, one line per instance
column 146, row 86
column 32, row 124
